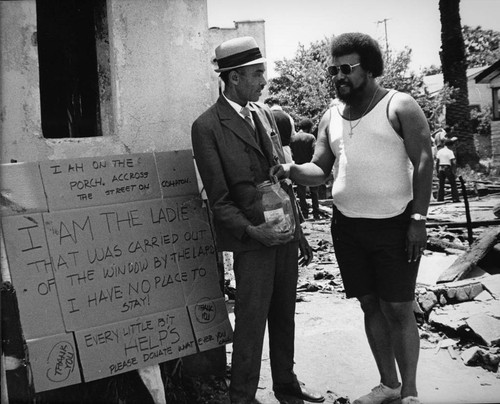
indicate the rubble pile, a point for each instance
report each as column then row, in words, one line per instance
column 461, row 316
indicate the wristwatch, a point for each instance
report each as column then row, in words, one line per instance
column 418, row 217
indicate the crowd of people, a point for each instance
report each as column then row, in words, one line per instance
column 377, row 143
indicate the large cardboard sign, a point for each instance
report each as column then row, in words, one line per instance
column 116, row 269
column 82, row 182
column 21, row 189
column 32, row 275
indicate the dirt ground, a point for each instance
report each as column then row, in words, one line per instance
column 332, row 354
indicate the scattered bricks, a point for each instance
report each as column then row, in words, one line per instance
column 323, row 275
column 442, row 300
column 485, row 326
column 427, row 301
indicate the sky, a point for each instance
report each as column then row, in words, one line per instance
column 409, row 23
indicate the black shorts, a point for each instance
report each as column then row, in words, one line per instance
column 372, row 257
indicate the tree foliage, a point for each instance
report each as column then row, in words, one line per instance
column 482, row 47
column 302, row 85
column 398, row 76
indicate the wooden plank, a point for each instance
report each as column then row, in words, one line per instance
column 466, row 262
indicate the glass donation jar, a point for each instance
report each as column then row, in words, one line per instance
column 277, row 205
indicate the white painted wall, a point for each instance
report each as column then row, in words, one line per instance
column 161, row 79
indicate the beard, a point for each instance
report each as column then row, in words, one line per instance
column 346, row 92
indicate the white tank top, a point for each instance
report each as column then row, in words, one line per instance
column 372, row 171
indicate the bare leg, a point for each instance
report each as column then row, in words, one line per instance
column 379, row 338
column 405, row 342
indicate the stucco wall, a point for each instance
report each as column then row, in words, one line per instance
column 160, row 70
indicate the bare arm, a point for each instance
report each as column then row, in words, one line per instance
column 319, row 169
column 416, row 135
column 409, row 121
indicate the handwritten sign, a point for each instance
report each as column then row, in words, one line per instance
column 211, row 326
column 31, row 268
column 176, row 173
column 21, row 189
column 119, row 347
column 117, row 270
column 54, row 362
column 108, row 180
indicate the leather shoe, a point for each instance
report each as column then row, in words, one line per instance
column 297, row 390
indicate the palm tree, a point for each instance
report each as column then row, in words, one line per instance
column 454, row 66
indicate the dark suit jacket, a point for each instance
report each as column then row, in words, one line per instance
column 231, row 162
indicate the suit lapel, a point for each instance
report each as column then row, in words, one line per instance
column 263, row 131
column 230, row 119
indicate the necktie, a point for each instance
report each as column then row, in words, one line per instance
column 248, row 117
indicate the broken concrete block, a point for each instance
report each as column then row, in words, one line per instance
column 462, row 291
column 476, row 356
column 492, row 285
column 484, row 296
column 485, row 326
column 427, row 301
column 454, row 315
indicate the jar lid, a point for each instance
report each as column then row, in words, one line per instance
column 264, row 184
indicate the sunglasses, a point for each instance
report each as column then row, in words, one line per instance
column 345, row 69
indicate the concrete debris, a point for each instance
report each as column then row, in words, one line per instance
column 476, row 356
column 484, row 296
column 455, row 316
column 459, row 291
column 427, row 301
column 487, row 327
column 492, row 285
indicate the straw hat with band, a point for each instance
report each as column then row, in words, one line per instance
column 237, row 52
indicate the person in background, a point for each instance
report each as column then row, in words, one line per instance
column 302, row 145
column 379, row 141
column 445, row 169
column 234, row 148
column 438, row 137
column 286, row 126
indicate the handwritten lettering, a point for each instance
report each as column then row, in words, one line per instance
column 87, row 183
column 122, row 365
column 174, row 183
column 61, row 361
column 130, row 176
column 101, row 338
column 105, row 295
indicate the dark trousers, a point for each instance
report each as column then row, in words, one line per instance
column 446, row 173
column 266, row 283
column 301, row 194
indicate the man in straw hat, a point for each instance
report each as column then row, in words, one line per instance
column 235, row 142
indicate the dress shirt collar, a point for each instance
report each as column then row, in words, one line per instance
column 237, row 107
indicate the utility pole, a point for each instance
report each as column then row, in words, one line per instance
column 384, row 21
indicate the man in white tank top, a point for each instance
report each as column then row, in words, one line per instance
column 378, row 142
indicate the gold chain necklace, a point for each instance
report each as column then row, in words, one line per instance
column 351, row 127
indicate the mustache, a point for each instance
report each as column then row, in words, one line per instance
column 342, row 82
